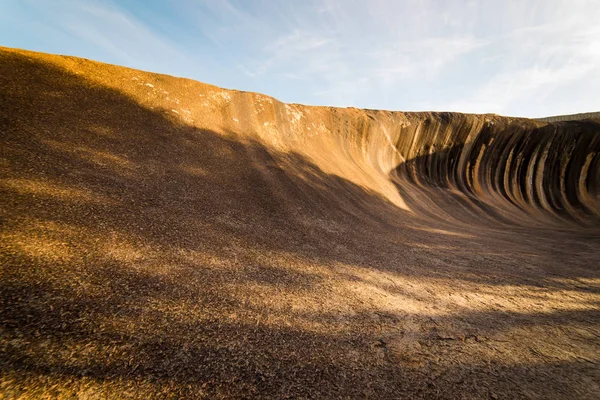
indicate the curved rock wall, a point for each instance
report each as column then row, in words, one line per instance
column 571, row 117
column 507, row 169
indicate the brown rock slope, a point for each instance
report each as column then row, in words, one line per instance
column 164, row 238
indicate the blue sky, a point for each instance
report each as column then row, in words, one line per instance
column 521, row 58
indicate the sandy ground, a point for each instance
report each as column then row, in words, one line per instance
column 145, row 254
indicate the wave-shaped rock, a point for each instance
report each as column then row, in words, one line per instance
column 161, row 236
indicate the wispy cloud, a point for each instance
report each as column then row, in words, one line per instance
column 108, row 27
column 531, row 57
column 546, row 58
column 297, row 46
column 424, row 58
column 326, row 47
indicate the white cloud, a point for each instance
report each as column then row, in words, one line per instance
column 555, row 55
column 122, row 35
column 326, row 46
column 297, row 46
column 530, row 57
column 424, row 58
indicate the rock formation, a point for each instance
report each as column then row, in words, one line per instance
column 164, row 237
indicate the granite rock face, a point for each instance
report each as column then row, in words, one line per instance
column 161, row 237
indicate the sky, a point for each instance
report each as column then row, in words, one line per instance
column 519, row 58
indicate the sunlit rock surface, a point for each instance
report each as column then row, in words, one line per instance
column 161, row 237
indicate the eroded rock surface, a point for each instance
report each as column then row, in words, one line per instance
column 161, row 237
